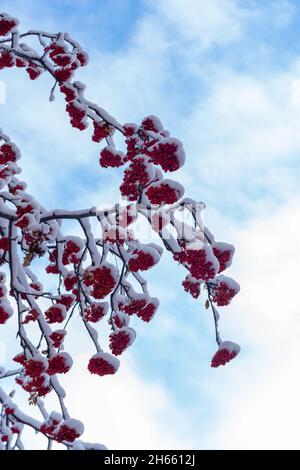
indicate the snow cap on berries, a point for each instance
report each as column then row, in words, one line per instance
column 103, row 364
column 227, row 351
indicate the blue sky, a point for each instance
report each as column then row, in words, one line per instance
column 222, row 75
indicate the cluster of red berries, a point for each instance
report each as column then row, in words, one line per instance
column 121, row 339
column 8, row 157
column 101, row 279
column 142, row 260
column 32, row 315
column 225, row 290
column 118, row 320
column 143, row 307
column 110, row 157
column 35, row 366
column 226, row 352
column 67, row 300
column 164, row 193
column 147, row 313
column 34, row 379
column 168, row 153
column 70, row 281
column 16, row 185
column 50, row 426
column 71, row 253
column 37, row 385
column 140, row 138
column 102, row 130
column 77, row 113
column 8, row 153
column 66, row 62
column 59, row 363
column 7, row 24
column 134, row 305
column 62, row 430
column 8, row 60
column 103, row 364
column 4, row 243
column 56, row 313
column 69, row 91
column 224, row 253
column 202, row 263
column 96, row 311
column 192, row 286
column 137, row 175
column 57, row 338
column 68, row 432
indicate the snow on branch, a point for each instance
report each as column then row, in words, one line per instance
column 89, row 280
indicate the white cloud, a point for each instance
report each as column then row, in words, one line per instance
column 126, row 411
column 258, row 407
column 203, row 23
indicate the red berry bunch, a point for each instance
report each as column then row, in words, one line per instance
column 143, row 259
column 8, row 153
column 34, row 71
column 224, row 253
column 56, row 313
column 192, row 286
column 70, row 281
column 102, row 279
column 202, row 263
column 67, row 300
column 96, row 311
column 147, row 313
column 60, row 363
column 102, row 130
column 103, row 364
column 72, row 251
column 168, row 153
column 69, row 430
column 32, row 315
column 225, row 290
column 36, row 366
column 110, row 157
column 7, row 24
column 121, row 339
column 69, row 91
column 57, row 338
column 226, row 352
column 134, row 305
column 7, row 60
column 164, row 192
column 77, row 113
column 138, row 174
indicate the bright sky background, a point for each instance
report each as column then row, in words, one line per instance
column 224, row 77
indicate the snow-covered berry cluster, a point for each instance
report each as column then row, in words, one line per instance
column 101, row 279
column 103, row 364
column 7, row 24
column 62, row 430
column 224, row 289
column 226, row 352
column 202, row 263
